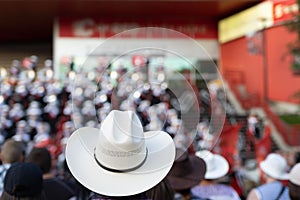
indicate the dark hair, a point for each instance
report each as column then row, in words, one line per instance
column 294, row 191
column 23, row 180
column 297, row 157
column 162, row 190
column 41, row 157
column 6, row 196
column 140, row 196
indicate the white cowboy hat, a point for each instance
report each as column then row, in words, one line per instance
column 294, row 175
column 275, row 166
column 119, row 159
column 216, row 165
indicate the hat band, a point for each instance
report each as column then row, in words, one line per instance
column 118, row 170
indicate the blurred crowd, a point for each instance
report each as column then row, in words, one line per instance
column 40, row 111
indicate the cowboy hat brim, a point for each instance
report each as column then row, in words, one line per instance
column 269, row 170
column 221, row 168
column 187, row 179
column 83, row 166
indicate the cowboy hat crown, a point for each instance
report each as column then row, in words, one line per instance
column 121, row 146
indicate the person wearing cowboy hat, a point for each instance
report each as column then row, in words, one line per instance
column 274, row 171
column 216, row 167
column 119, row 159
column 187, row 171
column 294, row 182
column 162, row 190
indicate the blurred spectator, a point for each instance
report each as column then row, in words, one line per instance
column 46, row 73
column 54, row 187
column 6, row 123
column 250, row 175
column 17, row 112
column 51, row 114
column 33, row 118
column 23, row 181
column 187, row 171
column 252, row 121
column 61, row 140
column 274, row 169
column 11, row 152
column 255, row 125
column 34, row 62
column 294, row 182
column 42, row 135
column 21, row 132
column 15, row 68
column 297, row 157
column 162, row 190
column 82, row 193
column 216, row 168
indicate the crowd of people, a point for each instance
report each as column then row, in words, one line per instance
column 39, row 114
column 154, row 169
column 36, row 107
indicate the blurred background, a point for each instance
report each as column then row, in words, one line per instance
column 237, row 62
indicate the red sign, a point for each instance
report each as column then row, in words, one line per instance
column 104, row 28
column 284, row 10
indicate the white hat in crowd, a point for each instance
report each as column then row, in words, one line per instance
column 294, row 175
column 216, row 165
column 119, row 159
column 275, row 166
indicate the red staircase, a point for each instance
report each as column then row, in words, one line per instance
column 236, row 82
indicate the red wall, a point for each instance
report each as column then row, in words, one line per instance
column 281, row 83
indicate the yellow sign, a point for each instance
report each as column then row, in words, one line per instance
column 246, row 22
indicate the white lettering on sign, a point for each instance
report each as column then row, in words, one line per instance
column 280, row 10
column 90, row 27
column 83, row 28
column 290, row 9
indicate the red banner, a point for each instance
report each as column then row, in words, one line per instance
column 104, row 28
column 284, row 10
